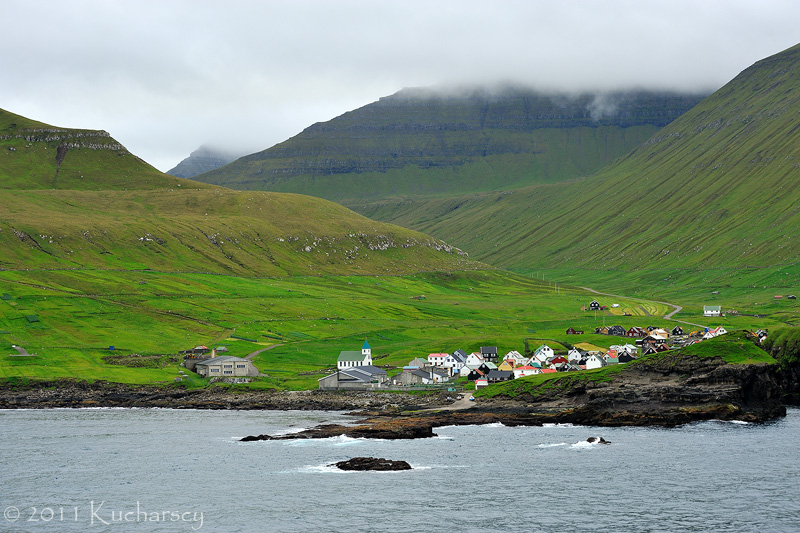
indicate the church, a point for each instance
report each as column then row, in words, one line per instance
column 350, row 359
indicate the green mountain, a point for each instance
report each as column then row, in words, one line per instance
column 717, row 188
column 204, row 159
column 422, row 142
column 78, row 199
column 34, row 155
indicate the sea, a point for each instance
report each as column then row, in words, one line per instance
column 152, row 470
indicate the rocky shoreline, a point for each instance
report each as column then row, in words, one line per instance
column 77, row 394
column 662, row 392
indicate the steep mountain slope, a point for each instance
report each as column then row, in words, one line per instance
column 204, row 159
column 104, row 208
column 424, row 142
column 34, row 155
column 717, row 187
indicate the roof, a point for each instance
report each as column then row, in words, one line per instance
column 366, row 345
column 712, row 308
column 500, row 374
column 221, row 359
column 438, row 355
column 350, row 356
column 548, row 370
column 488, row 349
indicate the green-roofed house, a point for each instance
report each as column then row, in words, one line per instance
column 350, row 359
column 712, row 310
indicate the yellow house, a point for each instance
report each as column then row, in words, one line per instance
column 505, row 365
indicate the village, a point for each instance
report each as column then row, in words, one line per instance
column 355, row 369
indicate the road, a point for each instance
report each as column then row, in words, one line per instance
column 668, row 316
column 464, row 403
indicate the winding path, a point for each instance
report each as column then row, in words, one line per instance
column 668, row 316
column 253, row 354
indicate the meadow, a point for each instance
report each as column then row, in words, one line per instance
column 71, row 318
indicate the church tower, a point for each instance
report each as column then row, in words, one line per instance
column 366, row 352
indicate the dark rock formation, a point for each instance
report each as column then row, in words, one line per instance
column 204, row 159
column 371, row 463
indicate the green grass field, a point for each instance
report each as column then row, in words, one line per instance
column 81, row 313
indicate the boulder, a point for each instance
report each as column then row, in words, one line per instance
column 371, row 463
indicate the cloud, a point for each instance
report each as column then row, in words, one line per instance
column 166, row 76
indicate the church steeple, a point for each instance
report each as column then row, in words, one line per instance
column 366, row 350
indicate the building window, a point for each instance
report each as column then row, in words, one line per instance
column 228, row 372
column 215, row 369
column 239, row 366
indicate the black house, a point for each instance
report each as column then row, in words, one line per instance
column 489, row 353
column 616, row 330
column 594, row 305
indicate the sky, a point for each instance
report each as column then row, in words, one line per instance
column 166, row 76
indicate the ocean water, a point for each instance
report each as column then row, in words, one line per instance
column 177, row 470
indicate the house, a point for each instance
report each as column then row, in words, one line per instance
column 454, row 362
column 660, row 332
column 617, row 330
column 712, row 310
column 625, row 348
column 526, row 370
column 417, row 363
column 505, row 365
column 481, row 383
column 354, row 378
column 677, row 331
column 575, row 355
column 636, row 331
column 424, row 377
column 225, row 366
column 626, row 358
column 542, row 354
column 500, row 375
column 595, row 361
column 601, row 331
column 474, row 359
column 594, row 305
column 654, row 339
column 489, row 353
column 715, row 332
column 516, row 358
column 437, row 359
column 353, row 359
column 573, row 331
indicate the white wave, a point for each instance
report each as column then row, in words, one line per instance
column 567, row 425
column 739, row 422
column 495, row 425
column 289, row 431
column 552, row 445
column 583, row 445
column 443, row 437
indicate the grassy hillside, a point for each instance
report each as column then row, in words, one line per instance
column 715, row 190
column 427, row 143
column 207, row 230
column 34, row 155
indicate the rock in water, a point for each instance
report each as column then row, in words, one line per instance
column 371, row 463
column 597, row 440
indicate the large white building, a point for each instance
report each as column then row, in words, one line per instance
column 351, row 359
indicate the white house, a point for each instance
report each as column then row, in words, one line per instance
column 715, row 332
column 595, row 361
column 542, row 354
column 712, row 310
column 454, row 361
column 575, row 355
column 527, row 370
column 350, row 359
column 516, row 358
column 475, row 359
column 437, row 359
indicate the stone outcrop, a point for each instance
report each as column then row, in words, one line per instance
column 371, row 463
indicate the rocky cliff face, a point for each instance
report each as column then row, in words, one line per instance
column 535, row 135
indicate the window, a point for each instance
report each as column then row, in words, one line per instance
column 228, row 372
column 239, row 366
column 215, row 369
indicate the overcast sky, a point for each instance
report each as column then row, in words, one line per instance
column 165, row 76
